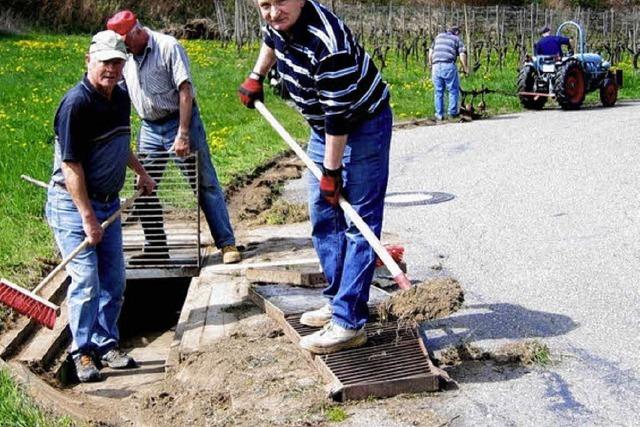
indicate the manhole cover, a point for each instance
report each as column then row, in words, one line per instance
column 414, row 198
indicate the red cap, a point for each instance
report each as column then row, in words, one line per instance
column 122, row 22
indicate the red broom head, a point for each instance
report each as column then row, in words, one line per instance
column 28, row 304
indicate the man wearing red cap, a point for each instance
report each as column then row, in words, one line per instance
column 159, row 80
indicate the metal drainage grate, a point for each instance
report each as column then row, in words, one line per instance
column 416, row 198
column 161, row 232
column 393, row 361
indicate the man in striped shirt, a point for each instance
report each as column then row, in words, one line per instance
column 338, row 89
column 442, row 57
column 159, row 81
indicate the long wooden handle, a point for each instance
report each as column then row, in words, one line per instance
column 34, row 181
column 398, row 275
column 126, row 205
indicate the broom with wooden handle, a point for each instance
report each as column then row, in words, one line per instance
column 398, row 275
column 35, row 307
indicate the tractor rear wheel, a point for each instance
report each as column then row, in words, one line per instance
column 570, row 87
column 609, row 93
column 526, row 83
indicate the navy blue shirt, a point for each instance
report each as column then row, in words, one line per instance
column 96, row 132
column 332, row 80
column 551, row 45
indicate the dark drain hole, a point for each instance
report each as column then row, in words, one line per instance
column 151, row 307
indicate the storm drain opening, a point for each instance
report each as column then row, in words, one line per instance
column 147, row 322
column 151, row 307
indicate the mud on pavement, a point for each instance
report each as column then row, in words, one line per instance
column 257, row 377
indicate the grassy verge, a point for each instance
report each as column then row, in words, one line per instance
column 18, row 410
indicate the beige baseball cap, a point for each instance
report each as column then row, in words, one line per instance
column 107, row 45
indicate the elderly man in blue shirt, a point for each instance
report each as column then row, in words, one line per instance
column 338, row 89
column 444, row 51
column 92, row 129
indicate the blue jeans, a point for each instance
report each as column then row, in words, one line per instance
column 154, row 138
column 347, row 259
column 95, row 295
column 445, row 75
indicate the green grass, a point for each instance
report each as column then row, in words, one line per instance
column 18, row 410
column 336, row 414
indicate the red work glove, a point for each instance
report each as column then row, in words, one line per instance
column 330, row 185
column 249, row 91
column 396, row 252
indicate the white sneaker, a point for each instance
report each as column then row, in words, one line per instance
column 317, row 318
column 333, row 338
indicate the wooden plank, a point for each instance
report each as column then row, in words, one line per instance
column 218, row 320
column 190, row 301
column 196, row 318
column 292, row 275
column 47, row 345
column 243, row 266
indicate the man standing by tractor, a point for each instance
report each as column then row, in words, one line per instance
column 444, row 51
column 341, row 94
column 159, row 81
column 93, row 132
column 550, row 45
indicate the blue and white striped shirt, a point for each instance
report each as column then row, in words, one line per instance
column 446, row 48
column 330, row 77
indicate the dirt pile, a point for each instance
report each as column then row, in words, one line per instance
column 525, row 353
column 282, row 212
column 259, row 193
column 432, row 299
column 254, row 377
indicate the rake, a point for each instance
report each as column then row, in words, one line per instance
column 34, row 306
column 398, row 275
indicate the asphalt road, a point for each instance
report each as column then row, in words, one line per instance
column 541, row 228
column 542, row 233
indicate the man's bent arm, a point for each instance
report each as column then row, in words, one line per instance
column 75, row 182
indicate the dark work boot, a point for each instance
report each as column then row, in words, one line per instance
column 86, row 369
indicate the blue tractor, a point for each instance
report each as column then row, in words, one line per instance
column 567, row 78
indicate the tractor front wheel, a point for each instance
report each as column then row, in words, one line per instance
column 570, row 87
column 526, row 83
column 609, row 93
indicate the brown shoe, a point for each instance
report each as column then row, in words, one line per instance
column 230, row 254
